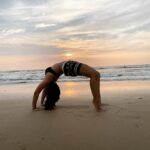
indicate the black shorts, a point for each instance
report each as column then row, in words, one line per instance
column 71, row 68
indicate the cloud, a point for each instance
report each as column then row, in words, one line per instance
column 19, row 3
column 42, row 25
column 12, row 31
column 30, row 49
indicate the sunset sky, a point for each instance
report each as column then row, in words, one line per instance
column 35, row 34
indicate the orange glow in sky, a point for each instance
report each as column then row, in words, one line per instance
column 99, row 33
column 68, row 54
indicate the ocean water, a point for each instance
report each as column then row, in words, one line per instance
column 111, row 73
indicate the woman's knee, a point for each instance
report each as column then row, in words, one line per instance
column 96, row 75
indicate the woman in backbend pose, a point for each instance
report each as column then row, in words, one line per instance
column 50, row 89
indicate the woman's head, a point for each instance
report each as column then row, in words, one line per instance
column 52, row 95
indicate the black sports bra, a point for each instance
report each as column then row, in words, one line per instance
column 49, row 69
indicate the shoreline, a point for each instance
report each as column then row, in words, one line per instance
column 104, row 86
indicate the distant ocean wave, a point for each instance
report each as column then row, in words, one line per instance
column 110, row 73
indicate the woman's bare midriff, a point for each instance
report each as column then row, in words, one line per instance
column 58, row 67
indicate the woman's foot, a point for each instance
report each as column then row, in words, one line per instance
column 97, row 104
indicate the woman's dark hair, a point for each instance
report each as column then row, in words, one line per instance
column 52, row 95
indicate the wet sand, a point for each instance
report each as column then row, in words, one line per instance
column 124, row 123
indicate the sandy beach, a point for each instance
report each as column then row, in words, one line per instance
column 124, row 123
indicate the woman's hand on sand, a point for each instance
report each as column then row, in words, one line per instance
column 42, row 105
column 38, row 108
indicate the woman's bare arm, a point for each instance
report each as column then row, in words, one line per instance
column 48, row 79
column 43, row 96
column 36, row 94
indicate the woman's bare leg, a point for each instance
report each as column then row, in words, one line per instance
column 94, row 75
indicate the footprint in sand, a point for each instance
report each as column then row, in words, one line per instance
column 137, row 126
column 128, row 116
column 20, row 145
column 68, row 112
column 79, row 115
column 42, row 138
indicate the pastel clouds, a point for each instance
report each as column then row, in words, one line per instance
column 12, row 31
column 85, row 28
column 42, row 25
